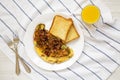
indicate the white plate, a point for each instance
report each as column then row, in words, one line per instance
column 77, row 45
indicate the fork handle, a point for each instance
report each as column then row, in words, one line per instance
column 17, row 65
column 25, row 65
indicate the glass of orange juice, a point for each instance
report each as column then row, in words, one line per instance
column 90, row 14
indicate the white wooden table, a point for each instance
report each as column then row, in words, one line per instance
column 7, row 68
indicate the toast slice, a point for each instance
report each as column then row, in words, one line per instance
column 72, row 35
column 60, row 27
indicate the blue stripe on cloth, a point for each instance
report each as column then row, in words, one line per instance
column 34, row 6
column 30, row 65
column 83, row 25
column 6, row 26
column 22, row 10
column 103, row 20
column 95, row 26
column 102, row 52
column 23, row 44
column 78, row 4
column 113, row 47
column 76, row 73
column 75, row 17
column 64, row 6
column 68, row 68
column 20, row 41
column 112, row 26
column 68, row 11
column 0, row 36
column 107, row 36
column 49, row 5
column 73, row 71
column 10, row 30
column 89, row 70
column 97, row 62
column 12, row 16
column 100, row 15
column 40, row 13
column 59, row 75
column 91, row 2
column 36, row 70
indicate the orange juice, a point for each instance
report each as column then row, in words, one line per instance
column 90, row 14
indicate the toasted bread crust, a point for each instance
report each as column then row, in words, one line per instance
column 60, row 25
column 50, row 48
column 59, row 29
column 72, row 35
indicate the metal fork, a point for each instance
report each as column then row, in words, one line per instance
column 13, row 46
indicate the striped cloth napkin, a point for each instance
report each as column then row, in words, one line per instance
column 101, row 54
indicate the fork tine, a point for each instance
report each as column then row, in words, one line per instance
column 9, row 42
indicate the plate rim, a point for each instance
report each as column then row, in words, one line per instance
column 24, row 40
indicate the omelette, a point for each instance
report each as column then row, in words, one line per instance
column 50, row 48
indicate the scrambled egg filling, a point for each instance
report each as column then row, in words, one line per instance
column 49, row 47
